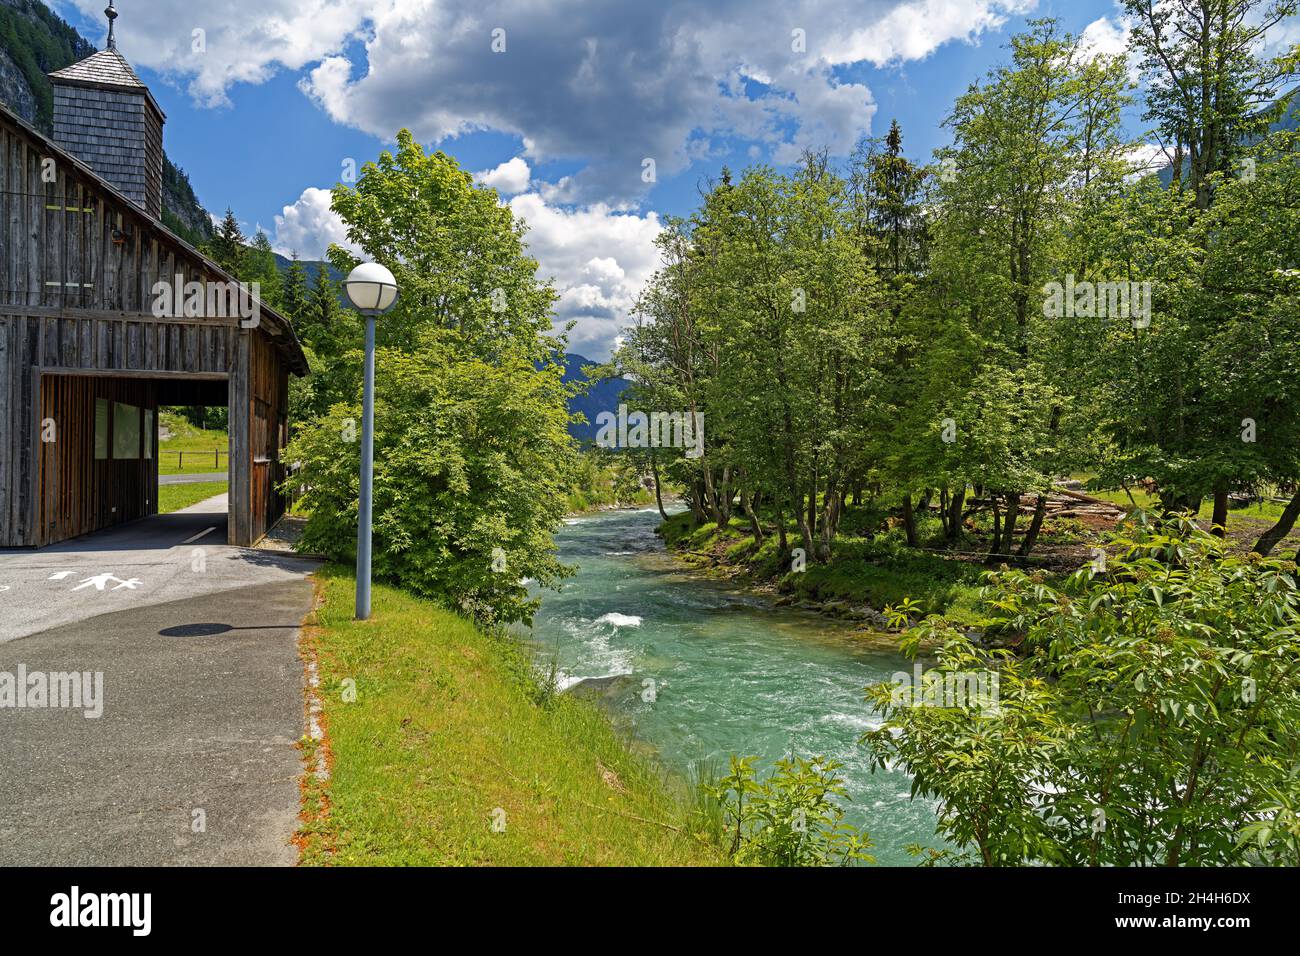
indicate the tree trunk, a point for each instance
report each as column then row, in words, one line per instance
column 1219, row 521
column 1009, row 521
column 659, row 498
column 996, row 548
column 812, row 508
column 747, row 504
column 1270, row 538
column 1031, row 536
column 909, row 521
column 955, row 507
column 697, row 506
column 805, row 529
column 830, row 522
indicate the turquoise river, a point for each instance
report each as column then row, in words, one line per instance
column 731, row 672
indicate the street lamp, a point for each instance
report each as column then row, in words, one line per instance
column 373, row 290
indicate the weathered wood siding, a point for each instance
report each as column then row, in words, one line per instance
column 111, row 347
column 259, row 430
column 69, row 244
column 78, row 265
column 117, row 133
column 79, row 493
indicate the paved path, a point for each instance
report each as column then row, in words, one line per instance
column 193, row 759
column 192, row 479
column 163, row 558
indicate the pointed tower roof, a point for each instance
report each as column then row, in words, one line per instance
column 106, row 70
column 107, row 67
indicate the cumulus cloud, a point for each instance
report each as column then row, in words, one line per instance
column 1146, row 158
column 598, row 257
column 211, row 47
column 914, row 30
column 1107, row 37
column 509, row 178
column 608, row 85
column 309, row 226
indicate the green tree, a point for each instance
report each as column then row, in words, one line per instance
column 1034, row 147
column 228, row 246
column 472, row 455
column 471, row 475
column 1210, row 91
column 259, row 266
column 294, row 293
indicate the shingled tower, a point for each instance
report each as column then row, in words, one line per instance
column 109, row 120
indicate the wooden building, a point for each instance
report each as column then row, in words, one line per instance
column 91, row 339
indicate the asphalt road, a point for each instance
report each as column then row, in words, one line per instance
column 164, row 558
column 192, row 759
column 192, row 479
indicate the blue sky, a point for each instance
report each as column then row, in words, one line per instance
column 283, row 92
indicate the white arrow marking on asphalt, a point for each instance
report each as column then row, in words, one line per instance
column 100, row 580
column 199, row 535
column 60, row 575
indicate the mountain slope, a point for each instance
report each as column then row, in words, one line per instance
column 603, row 396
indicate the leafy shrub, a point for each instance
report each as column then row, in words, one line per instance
column 470, row 457
column 792, row 817
column 1146, row 717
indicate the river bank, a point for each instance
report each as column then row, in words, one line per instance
column 440, row 746
column 865, row 578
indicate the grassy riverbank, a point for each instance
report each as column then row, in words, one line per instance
column 451, row 730
column 875, row 573
column 872, row 566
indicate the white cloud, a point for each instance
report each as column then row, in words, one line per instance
column 599, row 257
column 309, row 226
column 1147, row 158
column 1107, row 37
column 509, row 178
column 914, row 30
column 212, row 47
column 605, row 84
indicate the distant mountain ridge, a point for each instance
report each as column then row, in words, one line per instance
column 603, row 396
column 312, row 267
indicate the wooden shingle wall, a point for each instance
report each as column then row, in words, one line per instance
column 118, row 134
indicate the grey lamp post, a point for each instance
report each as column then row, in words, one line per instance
column 373, row 290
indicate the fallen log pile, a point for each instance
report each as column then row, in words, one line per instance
column 1061, row 503
column 1066, row 503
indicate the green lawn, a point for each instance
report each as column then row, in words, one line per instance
column 450, row 731
column 204, row 450
column 174, row 497
column 1260, row 511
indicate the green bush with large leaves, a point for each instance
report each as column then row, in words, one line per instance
column 471, row 473
column 791, row 817
column 1146, row 715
